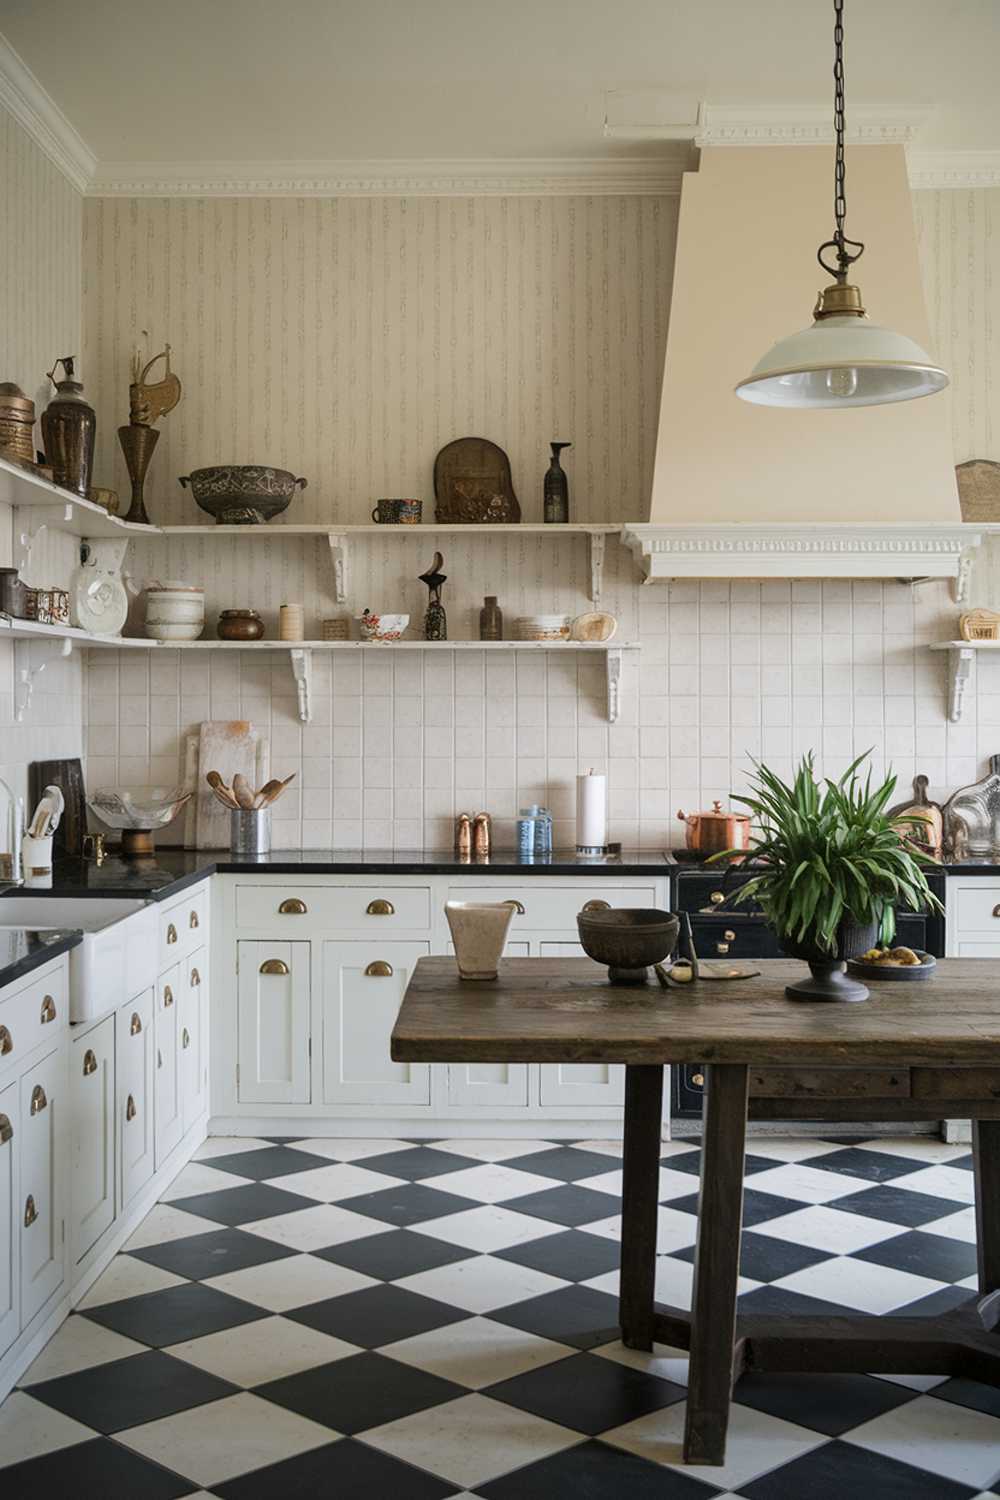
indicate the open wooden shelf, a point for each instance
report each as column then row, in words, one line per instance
column 60, row 509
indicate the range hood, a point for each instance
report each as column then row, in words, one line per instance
column 743, row 491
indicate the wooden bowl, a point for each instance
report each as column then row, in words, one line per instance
column 628, row 940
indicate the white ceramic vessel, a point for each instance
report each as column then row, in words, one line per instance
column 542, row 627
column 479, row 931
column 99, row 597
column 174, row 611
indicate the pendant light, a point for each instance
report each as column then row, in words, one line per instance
column 842, row 359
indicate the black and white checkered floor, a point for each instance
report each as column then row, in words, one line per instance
column 419, row 1320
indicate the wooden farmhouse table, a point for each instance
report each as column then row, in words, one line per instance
column 913, row 1051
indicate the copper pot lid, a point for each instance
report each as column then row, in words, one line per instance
column 716, row 815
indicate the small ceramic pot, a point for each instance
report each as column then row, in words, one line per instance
column 543, row 627
column 174, row 611
column 240, row 625
column 479, row 932
column 397, row 512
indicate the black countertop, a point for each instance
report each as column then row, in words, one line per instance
column 21, row 950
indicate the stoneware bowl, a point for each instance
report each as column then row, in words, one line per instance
column 628, row 940
column 376, row 627
column 479, row 931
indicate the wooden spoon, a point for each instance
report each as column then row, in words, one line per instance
column 271, row 790
column 221, row 791
column 242, row 792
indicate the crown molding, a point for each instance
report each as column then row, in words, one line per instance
column 806, row 125
column 22, row 96
column 954, row 169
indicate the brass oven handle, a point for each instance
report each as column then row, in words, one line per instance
column 30, row 1211
column 89, row 1062
column 518, row 908
column 597, row 906
column 168, row 997
column 38, row 1100
column 193, row 919
column 185, row 1039
column 171, row 933
column 293, row 907
column 6, row 1130
column 135, row 1025
column 6, row 1042
column 195, row 978
column 380, row 908
column 130, row 1109
column 379, row 969
column 48, row 1010
column 274, row 966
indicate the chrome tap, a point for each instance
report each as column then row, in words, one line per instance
column 11, row 834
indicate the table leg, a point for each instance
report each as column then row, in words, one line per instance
column 640, row 1179
column 986, row 1160
column 716, row 1267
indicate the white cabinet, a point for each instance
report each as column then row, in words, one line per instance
column 491, row 1085
column 273, row 1023
column 168, row 1125
column 972, row 920
column 42, row 1222
column 92, row 1102
column 578, row 1085
column 363, row 985
column 134, row 1066
column 9, row 1223
column 192, row 1021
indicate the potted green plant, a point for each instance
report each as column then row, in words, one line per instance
column 834, row 867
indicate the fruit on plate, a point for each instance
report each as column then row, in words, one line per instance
column 897, row 958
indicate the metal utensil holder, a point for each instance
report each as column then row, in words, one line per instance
column 250, row 832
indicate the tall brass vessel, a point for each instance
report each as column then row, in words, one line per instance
column 69, row 428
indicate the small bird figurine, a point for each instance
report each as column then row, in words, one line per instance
column 435, row 620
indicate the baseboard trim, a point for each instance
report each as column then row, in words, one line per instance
column 419, row 1128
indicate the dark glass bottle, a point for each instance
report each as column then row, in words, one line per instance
column 490, row 620
column 556, row 488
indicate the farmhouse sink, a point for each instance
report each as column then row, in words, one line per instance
column 117, row 958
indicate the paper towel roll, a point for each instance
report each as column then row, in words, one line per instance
column 591, row 811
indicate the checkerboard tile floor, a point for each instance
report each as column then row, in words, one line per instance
column 418, row 1320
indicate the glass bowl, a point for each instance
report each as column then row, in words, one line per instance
column 137, row 811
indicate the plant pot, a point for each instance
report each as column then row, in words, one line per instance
column 479, row 931
column 830, row 980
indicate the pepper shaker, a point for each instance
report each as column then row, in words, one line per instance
column 463, row 836
column 482, row 835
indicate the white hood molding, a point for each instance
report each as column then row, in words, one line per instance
column 809, row 550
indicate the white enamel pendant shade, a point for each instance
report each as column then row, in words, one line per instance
column 842, row 361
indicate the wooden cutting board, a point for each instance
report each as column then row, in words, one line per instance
column 67, row 775
column 229, row 746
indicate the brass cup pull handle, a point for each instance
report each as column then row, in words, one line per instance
column 135, row 1025
column 6, row 1042
column 38, row 1100
column 130, row 1109
column 996, row 910
column 195, row 978
column 597, row 906
column 48, row 1010
column 193, row 919
column 159, row 1058
column 89, row 1062
column 185, row 1039
column 30, row 1211
column 380, row 908
column 171, row 933
column 6, row 1130
column 379, row 969
column 274, row 966
column 518, row 908
column 168, row 997
column 293, row 907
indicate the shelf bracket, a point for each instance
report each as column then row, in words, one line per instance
column 960, row 583
column 614, row 662
column 27, row 675
column 338, row 557
column 301, row 661
column 597, row 544
column 961, row 670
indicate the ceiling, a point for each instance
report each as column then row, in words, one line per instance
column 313, row 80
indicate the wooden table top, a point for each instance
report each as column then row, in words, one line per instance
column 564, row 1010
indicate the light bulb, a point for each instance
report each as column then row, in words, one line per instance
column 842, row 380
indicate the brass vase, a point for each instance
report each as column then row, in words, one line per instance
column 138, row 442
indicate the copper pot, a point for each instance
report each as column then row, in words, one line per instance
column 711, row 832
column 239, row 625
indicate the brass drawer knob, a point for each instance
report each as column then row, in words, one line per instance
column 380, row 908
column 130, row 1109
column 171, row 933
column 195, row 978
column 38, row 1100
column 518, row 908
column 730, row 937
column 6, row 1042
column 379, row 969
column 185, row 1039
column 168, row 997
column 717, row 898
column 89, row 1062
column 274, row 966
column 135, row 1025
column 48, row 1010
column 193, row 919
column 597, row 906
column 697, row 1080
column 6, row 1130
column 293, row 907
column 30, row 1211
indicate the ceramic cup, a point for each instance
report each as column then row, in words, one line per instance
column 397, row 512
column 479, row 931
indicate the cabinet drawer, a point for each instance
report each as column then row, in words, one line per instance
column 183, row 926
column 295, row 911
column 35, row 1014
column 977, row 909
column 554, row 908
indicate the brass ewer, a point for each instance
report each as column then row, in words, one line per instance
column 147, row 404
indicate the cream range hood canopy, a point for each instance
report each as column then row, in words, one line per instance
column 743, row 491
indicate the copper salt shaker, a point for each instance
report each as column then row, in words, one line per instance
column 463, row 836
column 482, row 835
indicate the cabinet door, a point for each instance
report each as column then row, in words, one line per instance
column 92, row 1101
column 273, row 1023
column 363, row 984
column 42, row 1225
column 192, row 1020
column 485, row 1085
column 578, row 1085
column 134, row 1088
column 10, row 1203
column 168, row 1127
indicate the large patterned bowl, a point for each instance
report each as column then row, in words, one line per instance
column 242, row 494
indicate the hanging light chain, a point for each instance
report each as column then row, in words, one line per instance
column 840, row 242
